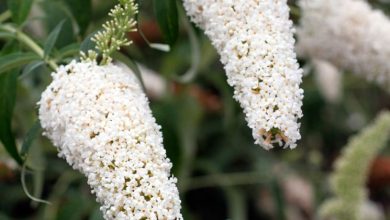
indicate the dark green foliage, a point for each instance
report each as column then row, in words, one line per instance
column 31, row 135
column 20, row 9
column 15, row 60
column 8, row 82
column 167, row 18
column 82, row 12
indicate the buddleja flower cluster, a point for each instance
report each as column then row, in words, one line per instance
column 255, row 41
column 349, row 34
column 100, row 121
column 115, row 31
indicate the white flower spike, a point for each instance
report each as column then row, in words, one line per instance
column 349, row 34
column 99, row 119
column 255, row 41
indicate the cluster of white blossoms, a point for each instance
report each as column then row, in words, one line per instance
column 255, row 41
column 99, row 119
column 349, row 34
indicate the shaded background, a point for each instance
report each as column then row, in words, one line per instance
column 222, row 174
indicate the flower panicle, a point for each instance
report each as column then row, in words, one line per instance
column 101, row 123
column 113, row 36
column 256, row 45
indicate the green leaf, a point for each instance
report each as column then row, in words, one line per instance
column 3, row 216
column 88, row 44
column 6, row 35
column 73, row 207
column 31, row 68
column 278, row 199
column 167, row 18
column 236, row 203
column 96, row 214
column 81, row 10
column 8, row 83
column 34, row 131
column 55, row 12
column 162, row 112
column 70, row 50
column 9, row 47
column 15, row 60
column 19, row 9
column 52, row 38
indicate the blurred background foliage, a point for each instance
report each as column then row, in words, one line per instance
column 222, row 174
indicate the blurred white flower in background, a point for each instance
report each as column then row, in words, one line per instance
column 371, row 211
column 329, row 80
column 349, row 34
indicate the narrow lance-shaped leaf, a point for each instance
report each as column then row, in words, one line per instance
column 14, row 60
column 52, row 38
column 31, row 68
column 34, row 131
column 8, row 82
column 19, row 10
column 88, row 44
column 167, row 18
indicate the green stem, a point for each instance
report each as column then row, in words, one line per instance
column 26, row 40
column 5, row 16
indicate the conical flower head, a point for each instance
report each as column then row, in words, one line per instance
column 99, row 119
column 255, row 41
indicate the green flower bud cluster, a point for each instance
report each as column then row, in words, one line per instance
column 115, row 31
column 349, row 178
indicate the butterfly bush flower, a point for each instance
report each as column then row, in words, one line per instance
column 255, row 41
column 349, row 34
column 99, row 119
